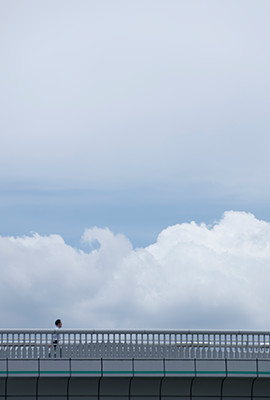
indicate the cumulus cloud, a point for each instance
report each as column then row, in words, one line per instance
column 193, row 276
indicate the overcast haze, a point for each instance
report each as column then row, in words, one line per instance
column 121, row 122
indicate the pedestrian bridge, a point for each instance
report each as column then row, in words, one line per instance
column 134, row 365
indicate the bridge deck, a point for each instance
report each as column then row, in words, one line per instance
column 134, row 365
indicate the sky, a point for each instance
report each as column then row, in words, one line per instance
column 134, row 141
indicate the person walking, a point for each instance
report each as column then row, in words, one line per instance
column 56, row 338
column 56, row 334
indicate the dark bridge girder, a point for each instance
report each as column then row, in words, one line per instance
column 134, row 388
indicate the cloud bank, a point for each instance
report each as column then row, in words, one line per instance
column 193, row 276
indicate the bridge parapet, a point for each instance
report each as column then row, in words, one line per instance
column 108, row 368
column 182, row 344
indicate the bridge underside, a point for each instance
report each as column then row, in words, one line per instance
column 135, row 388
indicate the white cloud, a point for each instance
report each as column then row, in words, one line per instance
column 194, row 276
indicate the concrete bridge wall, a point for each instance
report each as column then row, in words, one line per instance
column 100, row 379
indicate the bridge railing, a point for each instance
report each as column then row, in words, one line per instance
column 182, row 344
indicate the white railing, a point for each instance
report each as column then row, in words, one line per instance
column 27, row 344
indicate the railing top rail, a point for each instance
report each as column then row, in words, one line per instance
column 138, row 331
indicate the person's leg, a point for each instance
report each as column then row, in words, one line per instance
column 54, row 347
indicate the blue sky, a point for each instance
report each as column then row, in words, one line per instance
column 135, row 116
column 140, row 214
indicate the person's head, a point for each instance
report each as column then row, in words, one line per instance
column 58, row 323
